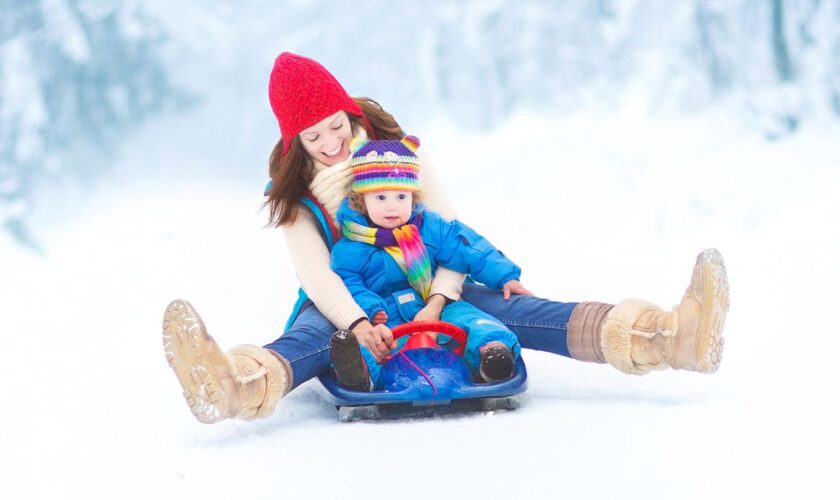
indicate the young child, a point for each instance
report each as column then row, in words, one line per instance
column 388, row 256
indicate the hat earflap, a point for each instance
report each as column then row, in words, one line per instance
column 357, row 143
column 411, row 142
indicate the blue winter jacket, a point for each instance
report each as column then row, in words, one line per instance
column 377, row 282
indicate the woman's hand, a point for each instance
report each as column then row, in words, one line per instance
column 431, row 311
column 514, row 286
column 379, row 339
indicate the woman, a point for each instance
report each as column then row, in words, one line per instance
column 310, row 174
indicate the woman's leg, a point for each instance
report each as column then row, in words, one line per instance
column 570, row 329
column 539, row 324
column 638, row 336
column 634, row 336
column 306, row 344
column 245, row 382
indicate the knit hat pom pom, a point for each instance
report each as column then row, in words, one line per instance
column 411, row 142
column 357, row 143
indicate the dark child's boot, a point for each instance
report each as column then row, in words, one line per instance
column 350, row 368
column 496, row 362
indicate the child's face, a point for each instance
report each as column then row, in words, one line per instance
column 328, row 141
column 389, row 209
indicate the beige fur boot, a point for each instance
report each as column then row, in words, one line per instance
column 638, row 336
column 246, row 382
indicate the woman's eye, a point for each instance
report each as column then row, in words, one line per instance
column 380, row 197
column 402, row 196
column 313, row 139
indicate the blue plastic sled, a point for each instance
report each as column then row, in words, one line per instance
column 425, row 379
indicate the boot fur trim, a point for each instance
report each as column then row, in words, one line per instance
column 278, row 378
column 617, row 332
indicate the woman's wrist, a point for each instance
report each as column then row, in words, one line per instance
column 438, row 301
column 353, row 324
column 362, row 325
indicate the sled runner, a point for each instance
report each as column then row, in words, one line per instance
column 425, row 379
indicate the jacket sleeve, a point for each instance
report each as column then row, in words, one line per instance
column 311, row 260
column 350, row 265
column 460, row 248
column 446, row 282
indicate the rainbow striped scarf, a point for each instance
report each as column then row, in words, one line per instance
column 406, row 247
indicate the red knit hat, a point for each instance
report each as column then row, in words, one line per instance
column 302, row 93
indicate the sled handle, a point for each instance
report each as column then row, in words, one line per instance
column 443, row 327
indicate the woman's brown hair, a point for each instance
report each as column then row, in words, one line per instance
column 292, row 173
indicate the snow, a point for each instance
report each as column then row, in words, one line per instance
column 599, row 205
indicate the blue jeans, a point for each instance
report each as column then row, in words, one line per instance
column 539, row 324
column 306, row 344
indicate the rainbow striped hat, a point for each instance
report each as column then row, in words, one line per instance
column 385, row 165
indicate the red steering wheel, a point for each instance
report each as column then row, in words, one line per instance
column 417, row 327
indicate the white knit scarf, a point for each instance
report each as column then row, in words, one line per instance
column 331, row 184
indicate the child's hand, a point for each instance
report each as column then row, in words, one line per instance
column 380, row 318
column 514, row 286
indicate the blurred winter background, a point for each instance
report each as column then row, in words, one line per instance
column 622, row 137
column 82, row 78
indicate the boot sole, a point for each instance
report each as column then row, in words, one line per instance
column 348, row 363
column 187, row 345
column 497, row 364
column 709, row 342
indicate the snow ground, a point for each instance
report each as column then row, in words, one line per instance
column 593, row 207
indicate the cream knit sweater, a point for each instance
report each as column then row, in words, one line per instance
column 311, row 257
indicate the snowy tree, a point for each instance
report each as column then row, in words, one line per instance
column 74, row 74
column 774, row 62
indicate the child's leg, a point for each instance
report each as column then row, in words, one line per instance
column 482, row 329
column 374, row 368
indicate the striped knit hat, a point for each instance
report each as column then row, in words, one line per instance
column 385, row 165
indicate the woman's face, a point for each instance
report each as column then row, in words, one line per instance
column 328, row 141
column 388, row 209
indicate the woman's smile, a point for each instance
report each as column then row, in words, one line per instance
column 320, row 139
column 331, row 154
